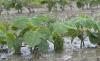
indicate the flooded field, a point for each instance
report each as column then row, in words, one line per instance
column 67, row 55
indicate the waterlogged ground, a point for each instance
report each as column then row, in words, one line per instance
column 86, row 55
column 71, row 53
column 68, row 55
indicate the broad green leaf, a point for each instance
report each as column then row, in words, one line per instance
column 43, row 46
column 85, row 22
column 41, row 20
column 45, row 32
column 20, row 23
column 32, row 38
column 59, row 27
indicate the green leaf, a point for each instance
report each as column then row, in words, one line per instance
column 10, row 36
column 45, row 32
column 98, row 25
column 2, row 35
column 73, row 33
column 20, row 23
column 70, row 24
column 43, row 46
column 85, row 22
column 94, row 37
column 32, row 38
column 10, row 39
column 3, row 27
column 17, row 45
column 58, row 42
column 59, row 27
column 41, row 20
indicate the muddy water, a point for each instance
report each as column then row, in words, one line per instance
column 67, row 55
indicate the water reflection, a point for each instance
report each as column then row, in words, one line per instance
column 67, row 55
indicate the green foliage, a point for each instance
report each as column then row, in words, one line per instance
column 2, row 36
column 80, row 26
column 58, row 42
column 73, row 33
column 43, row 46
column 38, row 30
column 19, row 6
column 32, row 2
column 59, row 27
column 80, row 4
column 45, row 32
column 3, row 42
column 17, row 45
column 33, row 32
column 20, row 23
column 10, row 39
column 92, row 3
column 62, row 4
column 94, row 37
column 3, row 30
column 32, row 38
column 3, row 27
column 52, row 4
column 41, row 20
column 85, row 22
column 7, row 4
column 98, row 25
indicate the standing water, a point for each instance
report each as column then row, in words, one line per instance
column 70, row 53
column 67, row 55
